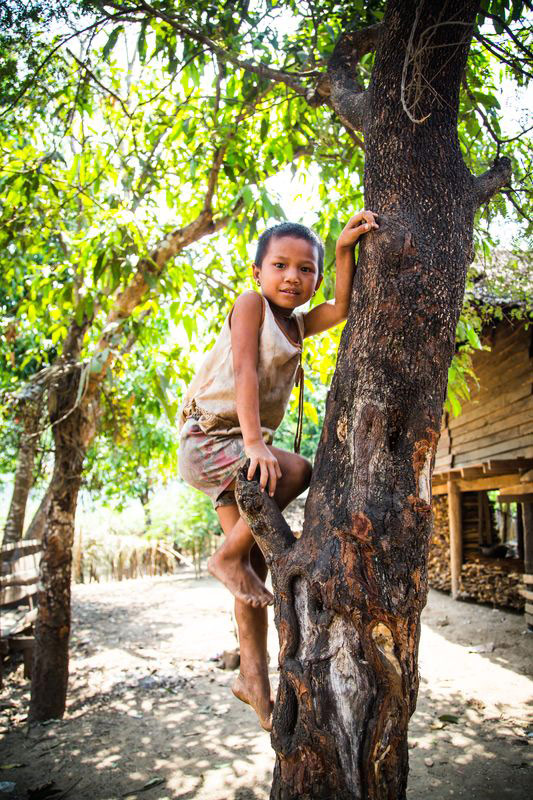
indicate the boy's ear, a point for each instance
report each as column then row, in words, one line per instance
column 256, row 271
column 318, row 283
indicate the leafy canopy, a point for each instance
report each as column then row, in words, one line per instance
column 120, row 122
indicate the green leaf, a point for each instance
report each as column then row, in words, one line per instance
column 111, row 41
column 454, row 403
column 449, row 718
column 141, row 42
column 247, row 196
column 473, row 338
column 100, row 265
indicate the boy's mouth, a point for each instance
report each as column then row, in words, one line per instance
column 289, row 291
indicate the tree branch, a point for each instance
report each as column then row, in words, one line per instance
column 100, row 85
column 509, row 195
column 502, row 55
column 512, row 35
column 263, row 71
column 268, row 524
column 346, row 95
column 493, row 180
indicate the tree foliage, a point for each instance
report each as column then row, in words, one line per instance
column 121, row 122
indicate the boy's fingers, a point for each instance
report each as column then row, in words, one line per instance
column 252, row 468
column 368, row 219
column 264, row 476
column 278, row 470
column 272, row 480
column 360, row 215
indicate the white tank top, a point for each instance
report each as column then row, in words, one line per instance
column 210, row 397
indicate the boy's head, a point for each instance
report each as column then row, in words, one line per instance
column 294, row 230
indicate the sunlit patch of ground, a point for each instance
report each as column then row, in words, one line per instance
column 151, row 715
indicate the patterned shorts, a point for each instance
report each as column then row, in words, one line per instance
column 210, row 462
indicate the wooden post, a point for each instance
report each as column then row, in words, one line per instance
column 456, row 536
column 527, row 592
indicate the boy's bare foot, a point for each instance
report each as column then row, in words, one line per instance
column 256, row 693
column 239, row 577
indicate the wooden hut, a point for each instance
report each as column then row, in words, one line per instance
column 489, row 448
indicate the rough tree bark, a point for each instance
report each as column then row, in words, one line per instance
column 73, row 425
column 29, row 439
column 349, row 592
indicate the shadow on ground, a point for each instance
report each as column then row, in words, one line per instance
column 151, row 716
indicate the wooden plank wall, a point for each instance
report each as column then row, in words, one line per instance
column 497, row 422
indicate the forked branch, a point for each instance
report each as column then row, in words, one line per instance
column 346, row 95
column 493, row 180
column 268, row 524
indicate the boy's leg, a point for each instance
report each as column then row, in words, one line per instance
column 231, row 562
column 296, row 474
column 252, row 685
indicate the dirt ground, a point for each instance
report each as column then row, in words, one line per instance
column 150, row 714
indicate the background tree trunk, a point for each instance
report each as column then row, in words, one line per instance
column 35, row 529
column 23, row 481
column 349, row 593
column 73, row 426
column 73, row 399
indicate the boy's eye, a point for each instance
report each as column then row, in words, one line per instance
column 279, row 264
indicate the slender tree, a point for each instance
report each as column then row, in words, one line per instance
column 23, row 480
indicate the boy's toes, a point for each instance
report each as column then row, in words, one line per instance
column 253, row 600
column 269, row 597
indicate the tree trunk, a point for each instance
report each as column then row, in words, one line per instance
column 349, row 592
column 35, row 529
column 73, row 427
column 23, row 482
column 73, row 410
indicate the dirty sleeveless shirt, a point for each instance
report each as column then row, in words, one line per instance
column 210, row 398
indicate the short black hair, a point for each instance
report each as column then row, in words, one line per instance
column 289, row 229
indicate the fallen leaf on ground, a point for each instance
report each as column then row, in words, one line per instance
column 449, row 718
column 151, row 783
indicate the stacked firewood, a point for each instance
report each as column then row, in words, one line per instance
column 481, row 580
column 439, row 550
column 488, row 583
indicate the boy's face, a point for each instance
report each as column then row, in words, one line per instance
column 289, row 273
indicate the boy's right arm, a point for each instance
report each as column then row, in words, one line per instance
column 245, row 325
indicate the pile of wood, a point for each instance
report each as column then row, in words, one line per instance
column 491, row 581
column 439, row 551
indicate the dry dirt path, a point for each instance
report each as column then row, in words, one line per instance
column 146, row 704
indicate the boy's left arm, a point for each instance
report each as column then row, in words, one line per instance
column 326, row 315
